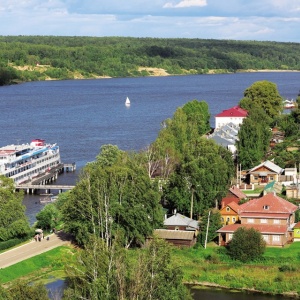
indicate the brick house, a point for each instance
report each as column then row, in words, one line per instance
column 271, row 215
column 234, row 115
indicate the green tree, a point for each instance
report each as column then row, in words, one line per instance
column 23, row 290
column 188, row 123
column 13, row 221
column 118, row 197
column 48, row 217
column 102, row 272
column 254, row 138
column 263, row 94
column 201, row 179
column 155, row 276
column 246, row 245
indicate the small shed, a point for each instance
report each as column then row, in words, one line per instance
column 179, row 238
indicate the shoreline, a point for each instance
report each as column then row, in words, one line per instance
column 200, row 285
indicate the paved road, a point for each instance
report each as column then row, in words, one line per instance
column 33, row 248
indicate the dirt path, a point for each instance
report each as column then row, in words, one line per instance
column 33, row 248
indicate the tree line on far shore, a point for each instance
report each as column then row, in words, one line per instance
column 31, row 58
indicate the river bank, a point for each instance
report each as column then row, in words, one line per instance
column 275, row 274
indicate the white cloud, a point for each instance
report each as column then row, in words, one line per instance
column 214, row 19
column 186, row 3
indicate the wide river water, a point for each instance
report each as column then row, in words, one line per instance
column 82, row 115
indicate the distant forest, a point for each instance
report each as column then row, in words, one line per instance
column 31, row 58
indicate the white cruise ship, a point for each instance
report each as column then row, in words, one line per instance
column 24, row 162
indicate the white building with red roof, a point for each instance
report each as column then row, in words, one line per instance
column 271, row 215
column 234, row 115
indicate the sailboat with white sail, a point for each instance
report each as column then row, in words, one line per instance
column 127, row 102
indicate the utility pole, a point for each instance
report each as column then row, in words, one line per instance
column 192, row 203
column 207, row 230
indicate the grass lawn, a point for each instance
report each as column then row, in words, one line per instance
column 38, row 266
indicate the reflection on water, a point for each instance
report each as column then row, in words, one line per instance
column 56, row 289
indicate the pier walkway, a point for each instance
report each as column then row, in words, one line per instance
column 45, row 181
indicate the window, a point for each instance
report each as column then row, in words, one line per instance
column 222, row 219
column 233, row 219
column 264, row 221
column 271, row 178
column 276, row 221
column 230, row 235
column 265, row 237
column 176, row 228
column 276, row 238
column 266, row 207
column 227, row 208
column 227, row 219
column 250, row 220
column 255, row 177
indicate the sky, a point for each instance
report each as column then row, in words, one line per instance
column 261, row 20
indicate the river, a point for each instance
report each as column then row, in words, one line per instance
column 82, row 115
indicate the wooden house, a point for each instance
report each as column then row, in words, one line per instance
column 181, row 222
column 264, row 173
column 230, row 213
column 179, row 230
column 179, row 238
column 271, row 215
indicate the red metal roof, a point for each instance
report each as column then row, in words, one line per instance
column 234, row 206
column 225, row 201
column 235, row 111
column 268, row 204
column 237, row 192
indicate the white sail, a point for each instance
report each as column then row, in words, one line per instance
column 127, row 102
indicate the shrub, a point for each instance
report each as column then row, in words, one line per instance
column 286, row 268
column 213, row 258
column 246, row 245
column 10, row 243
